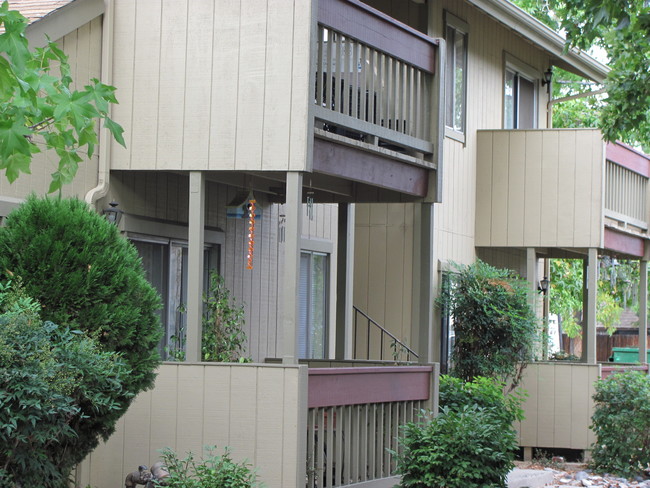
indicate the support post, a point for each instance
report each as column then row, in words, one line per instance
column 531, row 276
column 589, row 311
column 196, row 243
column 290, row 311
column 344, row 281
column 424, row 282
column 643, row 311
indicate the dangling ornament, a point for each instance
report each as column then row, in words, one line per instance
column 251, row 234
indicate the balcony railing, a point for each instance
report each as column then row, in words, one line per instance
column 369, row 88
column 626, row 195
column 354, row 420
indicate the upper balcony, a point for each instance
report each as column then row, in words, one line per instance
column 266, row 88
column 560, row 188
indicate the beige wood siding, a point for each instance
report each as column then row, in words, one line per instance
column 209, row 84
column 383, row 267
column 83, row 46
column 540, row 188
column 259, row 411
column 558, row 407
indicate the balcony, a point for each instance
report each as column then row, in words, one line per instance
column 373, row 93
column 560, row 188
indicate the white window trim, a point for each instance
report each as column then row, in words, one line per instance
column 463, row 27
column 511, row 63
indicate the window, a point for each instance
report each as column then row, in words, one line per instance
column 456, row 76
column 165, row 263
column 520, row 97
column 314, row 305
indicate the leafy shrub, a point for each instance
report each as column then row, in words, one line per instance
column 223, row 339
column 52, row 381
column 86, row 276
column 496, row 330
column 213, row 471
column 621, row 422
column 470, row 444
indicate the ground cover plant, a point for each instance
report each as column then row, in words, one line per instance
column 212, row 471
column 86, row 277
column 621, row 422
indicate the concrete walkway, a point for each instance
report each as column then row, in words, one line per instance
column 529, row 478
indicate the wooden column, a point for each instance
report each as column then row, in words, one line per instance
column 643, row 311
column 590, row 278
column 531, row 277
column 196, row 242
column 423, row 277
column 344, row 281
column 290, row 283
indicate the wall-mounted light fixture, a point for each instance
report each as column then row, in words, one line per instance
column 112, row 213
column 546, row 80
column 543, row 285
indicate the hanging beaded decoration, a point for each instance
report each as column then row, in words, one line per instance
column 251, row 234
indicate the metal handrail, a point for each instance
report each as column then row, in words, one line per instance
column 395, row 341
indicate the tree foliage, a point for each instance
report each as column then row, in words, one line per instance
column 86, row 276
column 622, row 29
column 39, row 109
column 496, row 330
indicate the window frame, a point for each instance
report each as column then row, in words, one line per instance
column 459, row 26
column 326, row 307
column 528, row 73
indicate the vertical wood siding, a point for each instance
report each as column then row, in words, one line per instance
column 559, row 407
column 540, row 188
column 209, row 84
column 259, row 411
column 83, row 46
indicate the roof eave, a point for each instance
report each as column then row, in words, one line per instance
column 544, row 37
column 62, row 21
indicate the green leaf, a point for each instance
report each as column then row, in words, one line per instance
column 115, row 129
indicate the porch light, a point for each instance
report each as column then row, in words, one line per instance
column 548, row 76
column 112, row 213
column 543, row 285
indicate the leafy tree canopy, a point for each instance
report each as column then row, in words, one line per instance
column 622, row 28
column 39, row 109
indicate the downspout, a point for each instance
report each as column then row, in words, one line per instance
column 106, row 76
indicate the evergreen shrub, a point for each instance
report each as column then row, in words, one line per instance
column 86, row 276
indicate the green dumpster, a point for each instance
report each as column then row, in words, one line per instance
column 626, row 355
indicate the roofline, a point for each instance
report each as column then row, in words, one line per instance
column 543, row 36
column 62, row 21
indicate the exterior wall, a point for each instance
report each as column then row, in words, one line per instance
column 383, row 265
column 259, row 411
column 387, row 293
column 83, row 46
column 209, row 84
column 559, row 407
column 164, row 197
column 542, row 188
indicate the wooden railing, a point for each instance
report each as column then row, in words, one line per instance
column 626, row 195
column 354, row 420
column 373, row 88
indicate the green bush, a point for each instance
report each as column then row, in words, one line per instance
column 470, row 444
column 86, row 276
column 496, row 330
column 52, row 379
column 621, row 422
column 224, row 339
column 213, row 471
